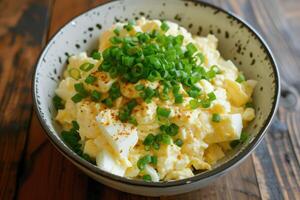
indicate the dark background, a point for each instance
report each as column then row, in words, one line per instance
column 30, row 167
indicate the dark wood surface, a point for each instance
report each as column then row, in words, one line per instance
column 31, row 168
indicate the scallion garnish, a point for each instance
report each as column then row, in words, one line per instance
column 117, row 31
column 147, row 178
column 154, row 160
column 86, row 67
column 125, row 112
column 139, row 87
column 77, row 98
column 74, row 73
column 249, row 105
column 178, row 98
column 58, row 102
column 149, row 140
column 163, row 112
column 178, row 142
column 96, row 55
column 95, row 95
column 241, row 78
column 211, row 96
column 164, row 26
column 216, row 117
column 142, row 162
column 243, row 138
column 90, row 79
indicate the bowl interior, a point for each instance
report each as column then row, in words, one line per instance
column 236, row 42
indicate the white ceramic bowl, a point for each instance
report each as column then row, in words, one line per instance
column 237, row 41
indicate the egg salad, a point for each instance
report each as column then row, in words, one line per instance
column 153, row 102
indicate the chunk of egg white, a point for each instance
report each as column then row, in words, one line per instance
column 121, row 136
column 229, row 128
column 66, row 89
column 107, row 162
column 104, row 81
column 152, row 172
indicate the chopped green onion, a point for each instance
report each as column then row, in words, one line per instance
column 88, row 158
column 105, row 66
column 74, row 73
column 176, row 89
column 96, row 55
column 137, row 70
column 95, row 95
column 154, row 160
column 139, row 87
column 158, row 138
column 194, row 92
column 201, row 57
column 163, row 112
column 243, row 138
column 178, row 98
column 86, row 67
column 216, row 69
column 147, row 148
column 194, row 103
column 72, row 138
column 156, row 145
column 249, row 105
column 178, row 39
column 117, row 31
column 148, row 94
column 115, row 40
column 108, row 102
column 240, row 78
column 127, row 61
column 90, row 79
column 211, row 96
column 178, row 142
column 164, row 26
column 211, row 74
column 132, row 120
column 171, row 130
column 129, row 26
column 191, row 49
column 80, row 89
column 147, row 178
column 156, row 56
column 77, row 98
column 142, row 162
column 149, row 140
column 114, row 91
column 58, row 102
column 165, row 138
column 206, row 103
column 154, row 76
column 125, row 112
column 75, row 125
column 216, row 117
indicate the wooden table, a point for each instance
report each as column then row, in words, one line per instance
column 31, row 168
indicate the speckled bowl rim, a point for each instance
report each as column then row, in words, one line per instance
column 68, row 153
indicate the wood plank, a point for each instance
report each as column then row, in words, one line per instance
column 23, row 27
column 52, row 176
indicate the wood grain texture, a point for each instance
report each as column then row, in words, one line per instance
column 271, row 172
column 23, row 28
